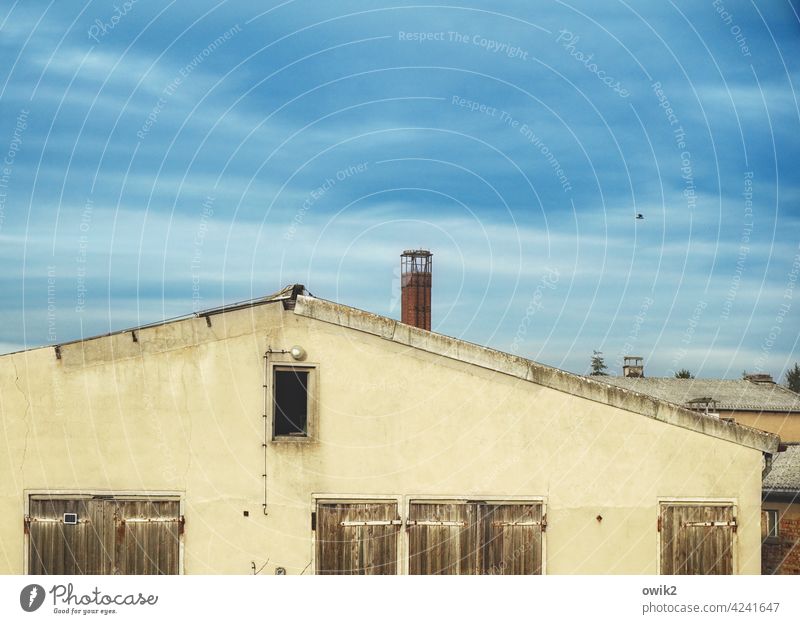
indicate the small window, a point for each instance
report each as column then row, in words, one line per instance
column 292, row 402
column 771, row 519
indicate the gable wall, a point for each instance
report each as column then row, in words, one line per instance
column 181, row 411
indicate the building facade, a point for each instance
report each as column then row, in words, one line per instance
column 781, row 514
column 295, row 435
column 757, row 401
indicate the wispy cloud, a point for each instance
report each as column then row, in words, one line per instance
column 326, row 143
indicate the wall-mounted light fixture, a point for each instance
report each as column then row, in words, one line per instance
column 298, row 352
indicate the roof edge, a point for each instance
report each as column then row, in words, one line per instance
column 528, row 370
column 784, row 495
column 287, row 295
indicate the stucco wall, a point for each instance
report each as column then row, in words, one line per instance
column 784, row 424
column 181, row 411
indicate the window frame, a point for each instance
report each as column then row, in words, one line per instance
column 311, row 406
column 773, row 537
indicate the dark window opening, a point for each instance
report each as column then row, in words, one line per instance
column 772, row 523
column 291, row 403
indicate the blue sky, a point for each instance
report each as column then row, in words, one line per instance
column 164, row 157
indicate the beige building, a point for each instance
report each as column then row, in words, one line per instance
column 295, row 435
column 757, row 401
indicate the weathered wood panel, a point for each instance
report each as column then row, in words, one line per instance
column 357, row 538
column 147, row 537
column 475, row 538
column 111, row 536
column 511, row 539
column 696, row 539
column 58, row 548
column 443, row 538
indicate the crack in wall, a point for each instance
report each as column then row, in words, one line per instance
column 190, row 423
column 24, row 416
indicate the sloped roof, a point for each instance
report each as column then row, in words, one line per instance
column 286, row 295
column 784, row 478
column 295, row 297
column 592, row 388
column 729, row 394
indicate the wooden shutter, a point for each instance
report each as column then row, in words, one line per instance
column 443, row 538
column 59, row 548
column 697, row 539
column 357, row 538
column 110, row 537
column 512, row 539
column 146, row 536
column 475, row 538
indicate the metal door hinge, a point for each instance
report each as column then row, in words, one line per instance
column 370, row 522
column 436, row 523
column 180, row 520
column 731, row 524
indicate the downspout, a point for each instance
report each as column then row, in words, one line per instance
column 767, row 466
column 769, row 457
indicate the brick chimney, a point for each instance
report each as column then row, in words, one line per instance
column 416, row 276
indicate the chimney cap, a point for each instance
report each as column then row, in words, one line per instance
column 764, row 378
column 633, row 366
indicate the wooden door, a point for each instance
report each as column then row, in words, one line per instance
column 697, row 539
column 108, row 536
column 443, row 538
column 475, row 538
column 56, row 547
column 357, row 538
column 511, row 539
column 146, row 536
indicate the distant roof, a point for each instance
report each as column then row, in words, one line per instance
column 784, row 478
column 729, row 394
